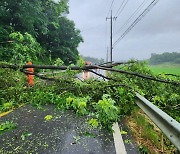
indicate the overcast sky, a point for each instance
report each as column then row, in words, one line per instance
column 157, row 32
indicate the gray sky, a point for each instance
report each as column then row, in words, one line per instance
column 157, row 32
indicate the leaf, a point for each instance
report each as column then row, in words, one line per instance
column 93, row 122
column 89, row 134
column 123, row 132
column 127, row 141
column 6, row 126
column 48, row 117
column 25, row 135
column 76, row 138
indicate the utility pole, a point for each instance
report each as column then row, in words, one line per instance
column 111, row 56
column 107, row 55
column 111, row 36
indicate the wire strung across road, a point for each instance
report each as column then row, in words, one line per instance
column 132, row 16
column 110, row 7
column 119, row 11
column 138, row 19
column 121, row 8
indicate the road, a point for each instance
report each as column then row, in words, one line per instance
column 65, row 133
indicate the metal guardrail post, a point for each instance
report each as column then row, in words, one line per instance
column 169, row 126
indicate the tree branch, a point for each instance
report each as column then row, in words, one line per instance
column 140, row 75
column 89, row 67
column 39, row 76
column 109, row 65
column 6, row 42
column 102, row 76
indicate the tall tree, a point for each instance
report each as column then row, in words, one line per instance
column 63, row 40
column 23, row 15
column 43, row 20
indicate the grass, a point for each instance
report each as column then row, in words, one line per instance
column 167, row 68
column 147, row 135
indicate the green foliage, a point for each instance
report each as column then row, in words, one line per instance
column 106, row 110
column 58, row 62
column 11, row 89
column 88, row 134
column 23, row 16
column 24, row 48
column 123, row 132
column 6, row 126
column 48, row 117
column 165, row 96
column 148, row 129
column 143, row 150
column 93, row 122
column 25, row 135
column 4, row 33
column 80, row 62
column 62, row 40
column 78, row 104
column 104, row 101
column 173, row 57
column 6, row 106
column 37, row 25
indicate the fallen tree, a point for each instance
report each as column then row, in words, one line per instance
column 89, row 68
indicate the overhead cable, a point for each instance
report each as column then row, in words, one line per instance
column 132, row 16
column 110, row 7
column 138, row 19
column 121, row 8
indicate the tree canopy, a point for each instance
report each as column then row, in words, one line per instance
column 173, row 57
column 44, row 21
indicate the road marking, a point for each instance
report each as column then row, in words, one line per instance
column 118, row 141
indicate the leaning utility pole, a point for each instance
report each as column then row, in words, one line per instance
column 111, row 36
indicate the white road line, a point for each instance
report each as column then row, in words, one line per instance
column 118, row 141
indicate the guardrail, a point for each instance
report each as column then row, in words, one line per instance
column 169, row 126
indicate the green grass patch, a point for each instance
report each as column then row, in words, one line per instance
column 166, row 68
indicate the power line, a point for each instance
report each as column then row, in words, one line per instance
column 121, row 8
column 132, row 16
column 110, row 7
column 138, row 19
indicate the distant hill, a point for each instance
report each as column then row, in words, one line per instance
column 93, row 60
column 166, row 57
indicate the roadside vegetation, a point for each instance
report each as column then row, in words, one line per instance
column 37, row 31
column 147, row 135
column 50, row 38
column 105, row 102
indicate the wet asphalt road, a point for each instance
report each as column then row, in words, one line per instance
column 65, row 133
